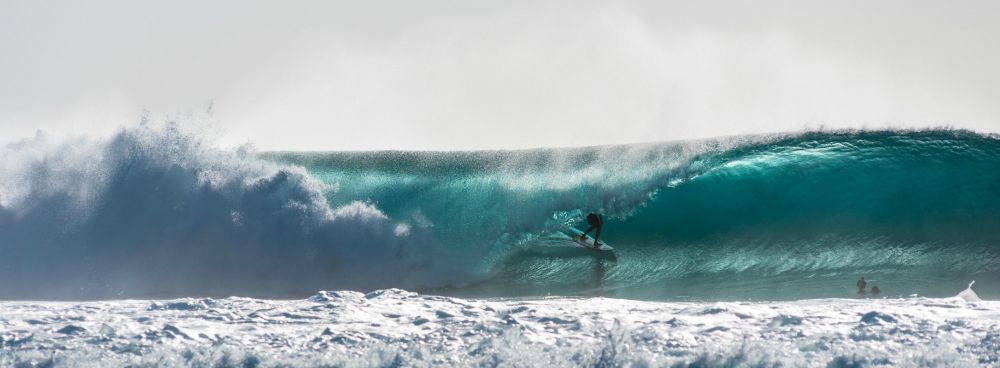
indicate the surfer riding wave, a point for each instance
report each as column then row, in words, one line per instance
column 595, row 222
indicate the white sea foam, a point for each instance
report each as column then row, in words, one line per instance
column 399, row 328
column 155, row 210
column 968, row 294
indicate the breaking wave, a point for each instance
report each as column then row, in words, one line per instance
column 158, row 211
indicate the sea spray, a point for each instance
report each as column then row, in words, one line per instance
column 968, row 294
column 154, row 210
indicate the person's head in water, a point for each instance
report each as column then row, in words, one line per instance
column 875, row 290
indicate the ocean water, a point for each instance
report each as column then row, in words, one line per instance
column 728, row 251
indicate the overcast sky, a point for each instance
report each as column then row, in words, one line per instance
column 328, row 75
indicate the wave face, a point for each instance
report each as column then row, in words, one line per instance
column 155, row 211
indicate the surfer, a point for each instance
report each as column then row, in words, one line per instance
column 861, row 286
column 596, row 222
column 875, row 290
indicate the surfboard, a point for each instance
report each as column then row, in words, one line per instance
column 586, row 242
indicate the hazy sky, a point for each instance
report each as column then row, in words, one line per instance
column 328, row 75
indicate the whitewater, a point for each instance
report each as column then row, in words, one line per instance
column 395, row 328
column 153, row 247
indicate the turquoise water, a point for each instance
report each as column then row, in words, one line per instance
column 778, row 217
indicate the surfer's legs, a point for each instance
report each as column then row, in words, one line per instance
column 597, row 235
column 584, row 235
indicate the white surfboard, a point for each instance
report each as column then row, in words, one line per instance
column 587, row 241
